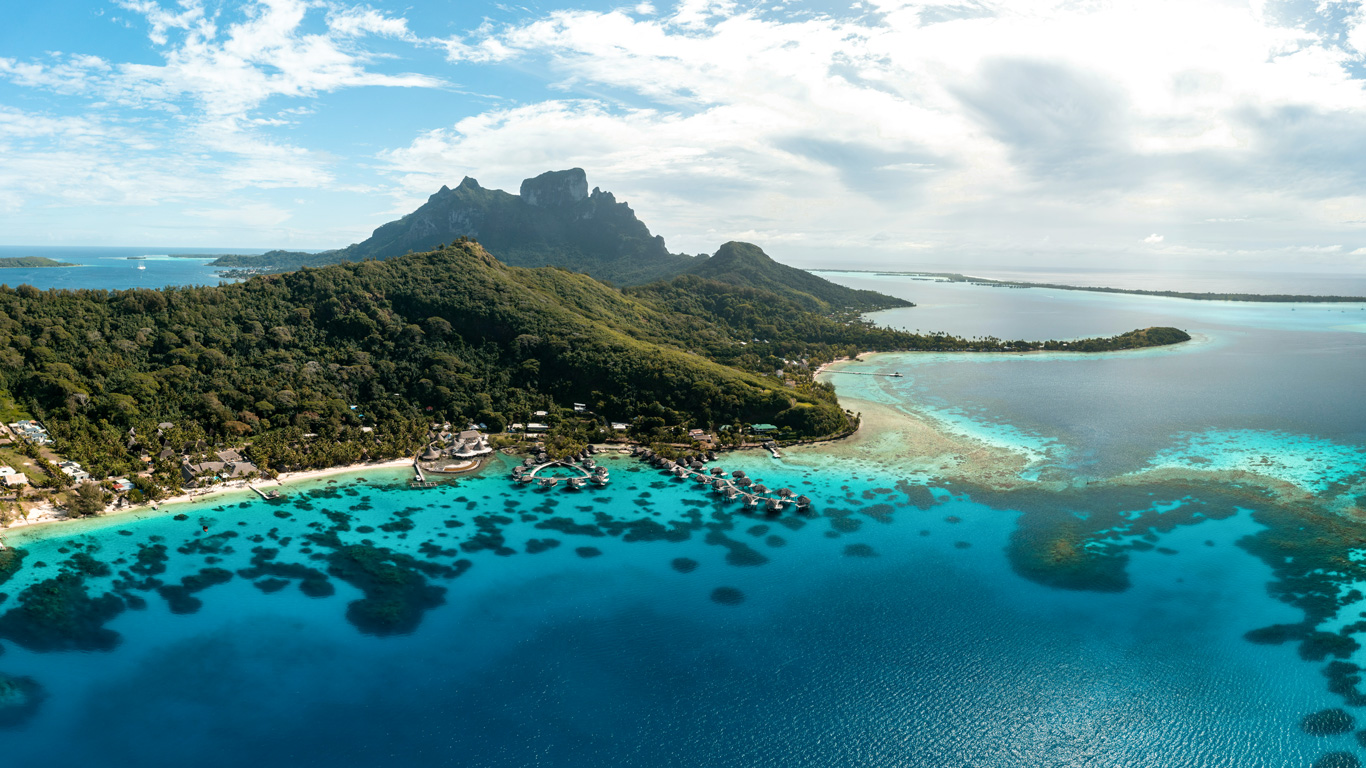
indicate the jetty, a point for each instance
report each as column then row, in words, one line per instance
column 586, row 471
column 274, row 494
column 733, row 486
column 420, row 480
column 893, row 375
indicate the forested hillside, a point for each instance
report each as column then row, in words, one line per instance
column 392, row 345
column 745, row 264
column 452, row 333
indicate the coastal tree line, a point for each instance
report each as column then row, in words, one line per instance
column 302, row 363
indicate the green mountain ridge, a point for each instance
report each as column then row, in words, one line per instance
column 556, row 221
column 452, row 334
column 745, row 264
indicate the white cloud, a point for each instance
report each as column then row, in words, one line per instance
column 1153, row 239
column 198, row 112
column 981, row 127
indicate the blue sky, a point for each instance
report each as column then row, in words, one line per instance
column 1205, row 133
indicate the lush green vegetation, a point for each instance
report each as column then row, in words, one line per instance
column 31, row 262
column 450, row 334
column 746, row 265
column 352, row 361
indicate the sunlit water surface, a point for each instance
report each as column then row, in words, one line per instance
column 887, row 628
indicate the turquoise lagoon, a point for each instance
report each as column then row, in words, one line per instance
column 907, row 621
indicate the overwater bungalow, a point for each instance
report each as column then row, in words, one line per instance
column 743, row 482
column 577, row 482
column 751, row 500
column 699, row 479
column 761, row 489
column 774, row 505
column 599, row 479
column 549, row 482
column 730, row 492
column 803, row 502
column 738, row 473
column 717, row 471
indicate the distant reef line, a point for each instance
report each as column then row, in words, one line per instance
column 1280, row 298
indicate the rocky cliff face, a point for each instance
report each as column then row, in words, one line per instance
column 556, row 188
column 555, row 221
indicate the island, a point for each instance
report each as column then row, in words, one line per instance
column 32, row 262
column 1273, row 298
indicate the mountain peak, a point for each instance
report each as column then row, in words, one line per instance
column 554, row 189
column 740, row 263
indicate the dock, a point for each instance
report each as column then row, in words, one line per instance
column 420, row 480
column 893, row 375
column 263, row 494
column 735, row 486
column 586, row 469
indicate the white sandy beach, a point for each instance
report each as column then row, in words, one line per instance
column 47, row 513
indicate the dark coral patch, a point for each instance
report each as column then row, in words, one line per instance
column 59, row 615
column 1338, row 760
column 859, row 550
column 727, row 596
column 537, row 546
column 271, row 585
column 1327, row 722
column 20, row 698
column 587, row 552
column 396, row 594
column 684, row 564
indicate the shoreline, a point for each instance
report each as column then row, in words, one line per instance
column 49, row 515
column 898, row 437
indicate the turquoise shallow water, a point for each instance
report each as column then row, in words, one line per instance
column 904, row 622
column 110, row 268
column 931, row 651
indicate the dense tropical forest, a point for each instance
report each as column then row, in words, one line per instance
column 353, row 361
column 30, row 262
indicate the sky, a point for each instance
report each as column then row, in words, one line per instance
column 1196, row 134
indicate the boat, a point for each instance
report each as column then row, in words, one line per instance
column 142, row 266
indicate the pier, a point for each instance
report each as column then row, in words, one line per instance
column 588, row 472
column 892, row 375
column 420, row 480
column 267, row 496
column 736, row 486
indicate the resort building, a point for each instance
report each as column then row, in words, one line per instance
column 14, row 479
column 73, row 470
column 220, row 470
column 31, row 431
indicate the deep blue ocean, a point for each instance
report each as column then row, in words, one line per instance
column 907, row 621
